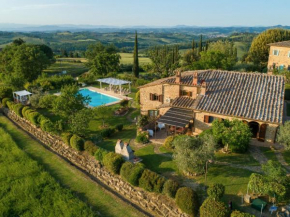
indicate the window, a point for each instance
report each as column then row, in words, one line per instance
column 276, row 52
column 289, row 54
column 153, row 113
column 185, row 93
column 281, row 67
column 209, row 119
column 153, row 97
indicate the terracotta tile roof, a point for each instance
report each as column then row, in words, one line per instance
column 281, row 44
column 183, row 102
column 246, row 95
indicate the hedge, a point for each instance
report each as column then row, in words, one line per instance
column 100, row 154
column 237, row 213
column 66, row 138
column 77, row 143
column 216, row 191
column 25, row 108
column 170, row 188
column 10, row 104
column 90, row 147
column 17, row 108
column 4, row 101
column 187, row 201
column 132, row 172
column 45, row 124
column 213, row 208
column 113, row 162
column 106, row 133
column 33, row 117
column 151, row 181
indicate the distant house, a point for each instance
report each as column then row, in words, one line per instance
column 190, row 101
column 279, row 56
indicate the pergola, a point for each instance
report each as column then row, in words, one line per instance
column 22, row 96
column 114, row 81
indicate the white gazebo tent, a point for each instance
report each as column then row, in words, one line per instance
column 114, row 81
column 22, row 96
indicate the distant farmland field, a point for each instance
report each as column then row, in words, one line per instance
column 127, row 58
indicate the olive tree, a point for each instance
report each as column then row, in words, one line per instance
column 283, row 135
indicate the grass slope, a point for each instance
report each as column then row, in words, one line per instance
column 67, row 175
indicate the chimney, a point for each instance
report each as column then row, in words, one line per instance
column 203, row 88
column 178, row 77
column 194, row 82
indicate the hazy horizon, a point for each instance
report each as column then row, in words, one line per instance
column 162, row 13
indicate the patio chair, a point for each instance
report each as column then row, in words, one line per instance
column 150, row 132
column 161, row 126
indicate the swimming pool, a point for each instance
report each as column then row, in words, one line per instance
column 98, row 99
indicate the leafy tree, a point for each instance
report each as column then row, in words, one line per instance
column 79, row 122
column 21, row 63
column 136, row 60
column 216, row 191
column 102, row 59
column 102, row 112
column 234, row 134
column 69, row 102
column 47, row 51
column 283, row 135
column 200, row 45
column 71, row 54
column 213, row 208
column 237, row 213
column 259, row 50
column 18, row 41
column 192, row 153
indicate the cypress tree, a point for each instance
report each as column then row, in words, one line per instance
column 193, row 45
column 136, row 60
column 200, row 44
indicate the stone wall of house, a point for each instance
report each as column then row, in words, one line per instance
column 200, row 125
column 155, row 204
column 145, row 102
column 281, row 59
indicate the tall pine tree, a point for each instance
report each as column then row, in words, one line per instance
column 136, row 60
column 200, row 45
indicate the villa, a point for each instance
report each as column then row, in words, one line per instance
column 279, row 56
column 190, row 101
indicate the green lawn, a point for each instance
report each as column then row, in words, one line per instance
column 268, row 153
column 73, row 69
column 165, row 150
column 127, row 58
column 234, row 158
column 155, row 162
column 68, row 176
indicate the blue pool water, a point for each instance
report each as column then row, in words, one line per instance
column 97, row 99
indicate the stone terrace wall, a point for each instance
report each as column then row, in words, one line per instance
column 157, row 205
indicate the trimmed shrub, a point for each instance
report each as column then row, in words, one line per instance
column 33, row 117
column 132, row 172
column 187, row 201
column 142, row 137
column 106, row 133
column 46, row 124
column 169, row 142
column 5, row 92
column 216, row 191
column 170, row 188
column 66, row 138
column 237, row 213
column 100, row 154
column 90, row 147
column 25, row 108
column 124, row 103
column 96, row 138
column 26, row 113
column 119, row 127
column 4, row 101
column 77, row 143
column 151, row 181
column 10, row 104
column 17, row 108
column 213, row 208
column 113, row 162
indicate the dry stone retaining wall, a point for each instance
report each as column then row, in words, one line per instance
column 158, row 205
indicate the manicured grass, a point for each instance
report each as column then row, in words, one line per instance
column 68, row 176
column 155, row 162
column 73, row 69
column 268, row 153
column 234, row 158
column 286, row 155
column 127, row 58
column 165, row 150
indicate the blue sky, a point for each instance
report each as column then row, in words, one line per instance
column 147, row 12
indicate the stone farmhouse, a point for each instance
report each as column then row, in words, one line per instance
column 279, row 56
column 190, row 101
